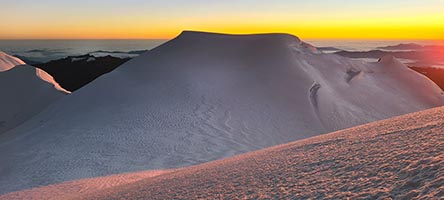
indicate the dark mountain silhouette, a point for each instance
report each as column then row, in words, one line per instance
column 328, row 49
column 411, row 46
column 378, row 54
column 27, row 60
column 431, row 57
column 435, row 74
column 73, row 73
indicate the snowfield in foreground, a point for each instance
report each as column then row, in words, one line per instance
column 202, row 97
column 399, row 158
column 24, row 91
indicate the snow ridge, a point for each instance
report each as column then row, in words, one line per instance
column 25, row 91
column 8, row 62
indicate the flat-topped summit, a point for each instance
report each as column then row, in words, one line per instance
column 199, row 35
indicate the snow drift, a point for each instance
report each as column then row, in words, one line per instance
column 25, row 91
column 399, row 158
column 202, row 97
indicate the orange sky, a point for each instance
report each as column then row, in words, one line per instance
column 135, row 19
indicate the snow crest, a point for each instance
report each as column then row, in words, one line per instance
column 25, row 91
column 8, row 62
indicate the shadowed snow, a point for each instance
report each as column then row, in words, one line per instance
column 25, row 91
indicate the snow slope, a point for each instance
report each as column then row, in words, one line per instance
column 398, row 158
column 73, row 189
column 8, row 62
column 202, row 97
column 24, row 90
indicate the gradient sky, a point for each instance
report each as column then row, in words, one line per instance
column 133, row 19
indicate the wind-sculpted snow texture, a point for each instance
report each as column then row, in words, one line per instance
column 399, row 158
column 73, row 189
column 202, row 97
column 24, row 90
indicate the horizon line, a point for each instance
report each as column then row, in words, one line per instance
column 349, row 39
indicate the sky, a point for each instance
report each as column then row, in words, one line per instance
column 164, row 19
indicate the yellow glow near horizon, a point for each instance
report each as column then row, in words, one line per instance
column 414, row 20
column 313, row 32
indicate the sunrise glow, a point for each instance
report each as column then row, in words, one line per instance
column 137, row 19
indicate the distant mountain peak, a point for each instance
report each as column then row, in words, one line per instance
column 403, row 46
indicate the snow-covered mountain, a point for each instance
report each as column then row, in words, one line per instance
column 201, row 97
column 25, row 91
